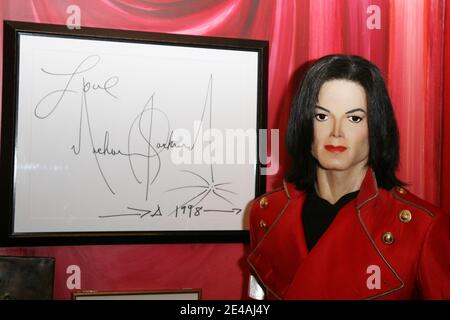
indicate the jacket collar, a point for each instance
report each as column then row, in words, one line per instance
column 367, row 192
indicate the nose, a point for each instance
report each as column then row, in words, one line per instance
column 337, row 128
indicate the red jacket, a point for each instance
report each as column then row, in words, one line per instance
column 403, row 238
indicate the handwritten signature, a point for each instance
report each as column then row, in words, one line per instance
column 77, row 82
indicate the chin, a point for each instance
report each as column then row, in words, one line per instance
column 334, row 165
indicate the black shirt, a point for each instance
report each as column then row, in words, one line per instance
column 318, row 214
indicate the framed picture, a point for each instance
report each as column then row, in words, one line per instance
column 26, row 278
column 113, row 136
column 182, row 294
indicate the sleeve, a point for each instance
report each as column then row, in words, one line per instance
column 252, row 214
column 434, row 262
column 255, row 290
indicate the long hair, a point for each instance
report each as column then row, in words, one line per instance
column 383, row 131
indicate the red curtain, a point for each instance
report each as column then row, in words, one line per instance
column 445, row 164
column 408, row 47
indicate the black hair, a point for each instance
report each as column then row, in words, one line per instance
column 383, row 131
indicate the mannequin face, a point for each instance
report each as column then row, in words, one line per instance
column 341, row 133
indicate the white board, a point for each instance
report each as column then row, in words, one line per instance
column 98, row 135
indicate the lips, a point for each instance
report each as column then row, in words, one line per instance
column 332, row 148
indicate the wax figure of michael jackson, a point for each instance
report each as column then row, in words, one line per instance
column 343, row 226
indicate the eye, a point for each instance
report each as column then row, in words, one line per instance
column 321, row 116
column 355, row 119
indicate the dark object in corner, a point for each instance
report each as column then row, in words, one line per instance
column 26, row 278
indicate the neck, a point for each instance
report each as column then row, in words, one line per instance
column 331, row 185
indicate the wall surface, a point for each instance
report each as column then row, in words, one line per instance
column 405, row 38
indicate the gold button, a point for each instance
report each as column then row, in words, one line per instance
column 388, row 238
column 263, row 224
column 405, row 216
column 263, row 202
column 401, row 190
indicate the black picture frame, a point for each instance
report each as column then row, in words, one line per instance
column 26, row 278
column 13, row 31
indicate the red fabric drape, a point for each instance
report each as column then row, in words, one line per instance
column 408, row 48
column 445, row 173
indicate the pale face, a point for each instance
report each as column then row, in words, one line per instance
column 341, row 133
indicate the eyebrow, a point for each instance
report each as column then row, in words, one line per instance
column 348, row 112
column 322, row 108
column 354, row 110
